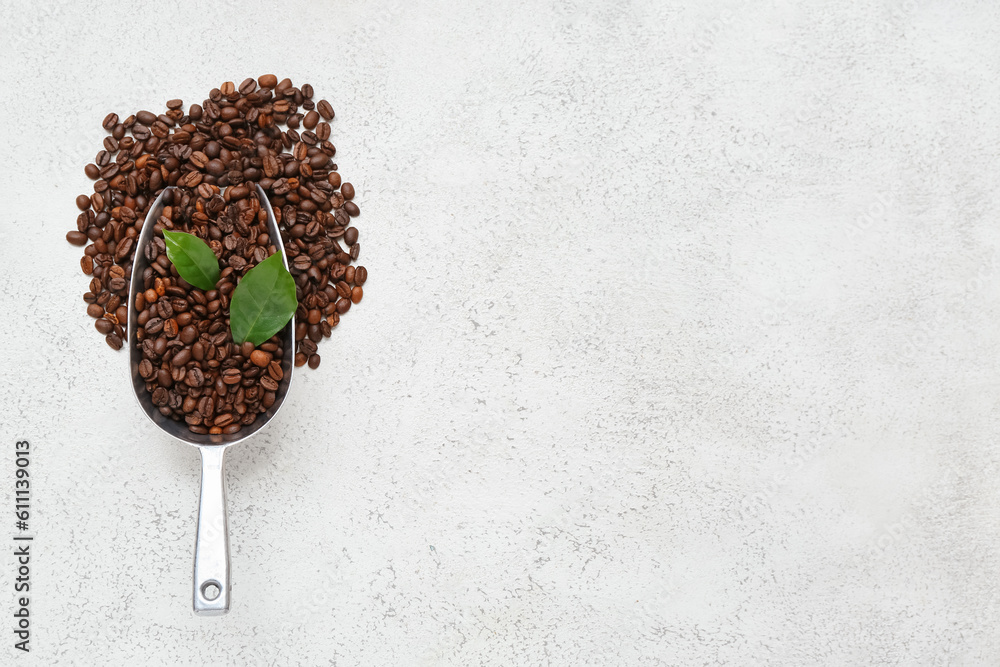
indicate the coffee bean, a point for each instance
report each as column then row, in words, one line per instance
column 154, row 325
column 352, row 209
column 260, row 358
column 215, row 167
column 356, row 294
column 160, row 396
column 123, row 249
column 224, row 419
column 195, row 377
column 114, row 341
column 325, row 110
column 314, row 360
column 110, row 121
column 347, row 190
column 83, row 202
column 181, row 357
column 104, row 326
column 76, row 238
column 188, row 335
column 232, row 376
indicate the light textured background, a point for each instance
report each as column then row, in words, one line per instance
column 680, row 345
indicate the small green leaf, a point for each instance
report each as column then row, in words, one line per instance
column 263, row 302
column 194, row 260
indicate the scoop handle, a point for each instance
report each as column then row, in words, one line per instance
column 211, row 551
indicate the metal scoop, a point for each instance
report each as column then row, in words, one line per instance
column 211, row 551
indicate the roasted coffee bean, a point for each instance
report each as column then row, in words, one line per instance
column 356, row 294
column 160, row 396
column 347, row 190
column 104, row 326
column 260, row 358
column 83, row 202
column 188, row 335
column 195, row 377
column 146, row 369
column 181, row 358
column 114, row 341
column 314, row 361
column 232, row 376
column 154, row 325
column 325, row 110
column 351, row 235
column 110, row 121
column 352, row 209
column 76, row 238
column 215, row 167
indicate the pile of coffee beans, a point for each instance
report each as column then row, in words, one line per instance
column 228, row 143
column 193, row 370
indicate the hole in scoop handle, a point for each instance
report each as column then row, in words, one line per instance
column 211, row 550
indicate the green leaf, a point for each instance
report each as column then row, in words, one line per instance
column 263, row 302
column 194, row 260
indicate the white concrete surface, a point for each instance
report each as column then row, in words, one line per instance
column 681, row 344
